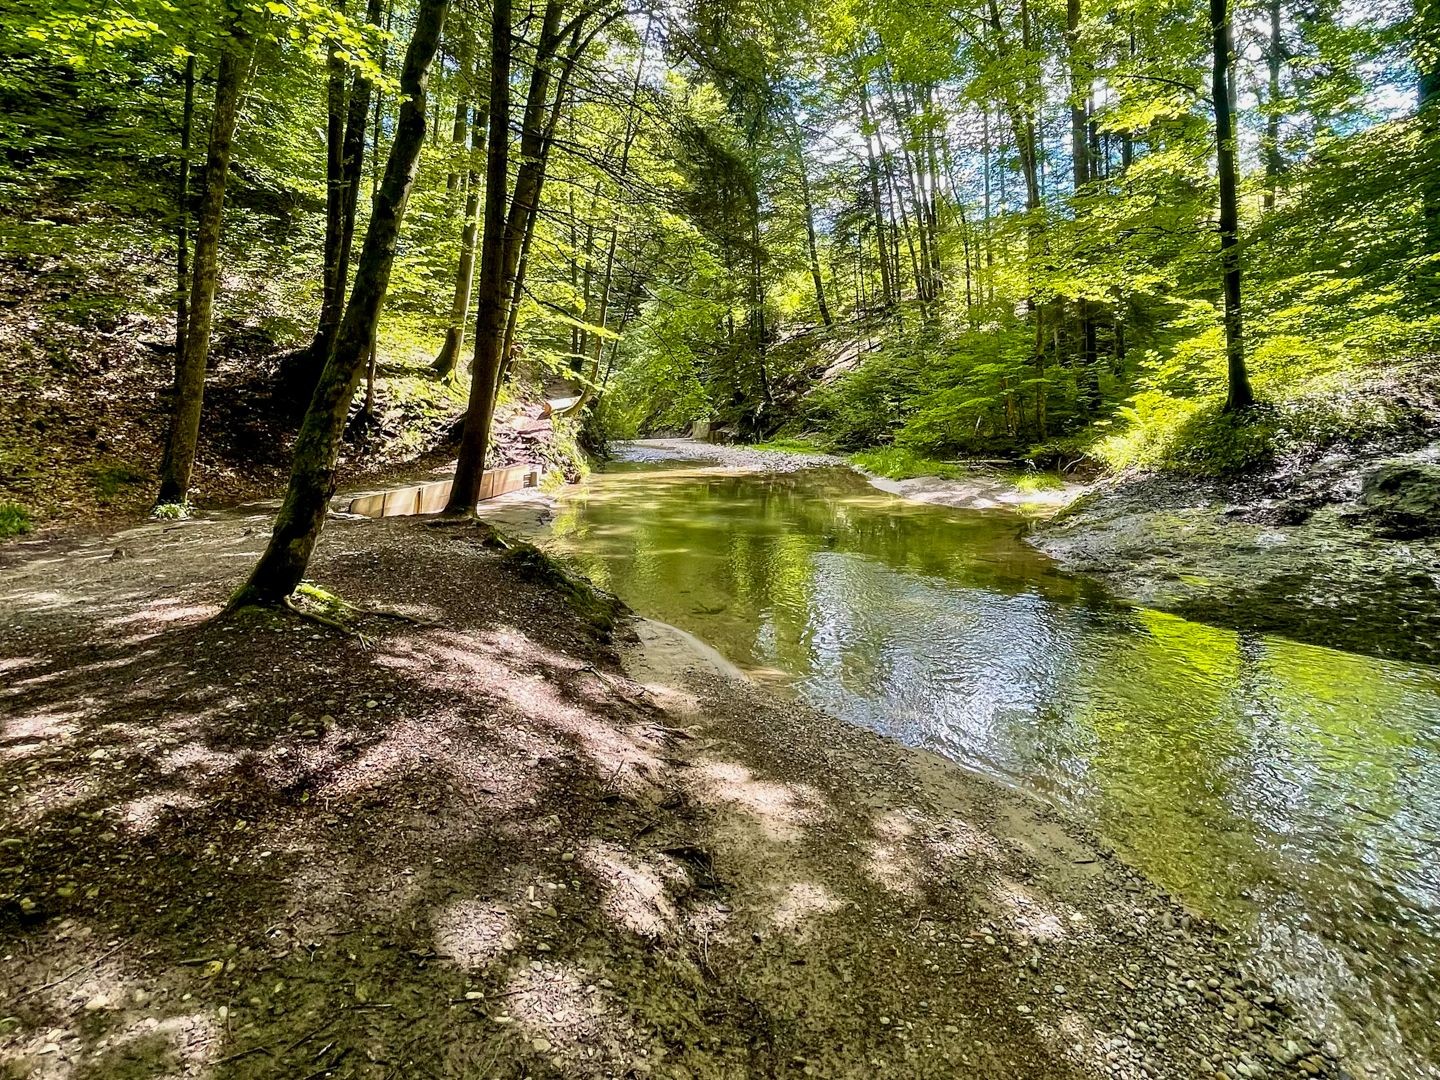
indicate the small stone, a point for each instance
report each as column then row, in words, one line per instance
column 372, row 704
column 96, row 1003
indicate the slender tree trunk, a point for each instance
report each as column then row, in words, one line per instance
column 312, row 479
column 1273, row 161
column 184, row 433
column 809, row 208
column 1240, row 396
column 1127, row 138
column 491, row 306
column 449, row 358
column 182, row 206
column 989, row 290
column 887, row 288
column 1089, row 378
column 1079, row 94
column 332, row 298
column 462, row 96
column 1427, row 59
column 352, row 165
column 540, row 161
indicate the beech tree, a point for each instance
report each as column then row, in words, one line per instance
column 236, row 48
column 312, row 477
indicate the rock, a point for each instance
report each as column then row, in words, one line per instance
column 1403, row 498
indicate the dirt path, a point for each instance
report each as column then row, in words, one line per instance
column 482, row 847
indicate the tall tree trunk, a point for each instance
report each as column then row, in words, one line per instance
column 332, row 297
column 182, row 207
column 449, row 357
column 1240, row 396
column 1079, row 95
column 532, row 212
column 1273, row 161
column 352, row 165
column 1083, row 162
column 491, row 305
column 312, row 478
column 809, row 208
column 887, row 288
column 1427, row 59
column 184, row 435
column 462, row 95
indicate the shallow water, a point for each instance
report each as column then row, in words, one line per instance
column 1290, row 791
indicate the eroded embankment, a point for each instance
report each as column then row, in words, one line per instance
column 1344, row 553
column 475, row 845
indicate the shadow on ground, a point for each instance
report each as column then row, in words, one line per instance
column 252, row 847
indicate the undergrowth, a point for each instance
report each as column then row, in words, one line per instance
column 15, row 520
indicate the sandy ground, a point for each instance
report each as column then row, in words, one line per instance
column 519, row 839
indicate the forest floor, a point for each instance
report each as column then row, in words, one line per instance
column 510, row 841
column 86, row 383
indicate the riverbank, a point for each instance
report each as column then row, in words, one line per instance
column 1340, row 552
column 980, row 489
column 481, row 844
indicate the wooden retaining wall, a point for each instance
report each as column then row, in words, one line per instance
column 431, row 498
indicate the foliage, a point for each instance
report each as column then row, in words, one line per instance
column 14, row 520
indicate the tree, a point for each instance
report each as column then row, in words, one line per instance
column 312, row 477
column 236, row 49
column 1239, row 395
column 508, row 217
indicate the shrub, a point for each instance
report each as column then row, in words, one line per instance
column 14, row 520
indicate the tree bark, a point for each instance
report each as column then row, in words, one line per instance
column 332, row 297
column 1089, row 378
column 182, row 207
column 353, row 162
column 504, row 235
column 809, row 207
column 1273, row 161
column 462, row 94
column 1240, row 396
column 184, row 435
column 1427, row 59
column 312, row 478
column 887, row 289
column 449, row 357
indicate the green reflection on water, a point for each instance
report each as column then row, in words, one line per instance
column 1291, row 791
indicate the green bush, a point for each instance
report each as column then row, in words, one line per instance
column 14, row 520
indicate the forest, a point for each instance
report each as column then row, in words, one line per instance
column 1128, row 235
column 720, row 538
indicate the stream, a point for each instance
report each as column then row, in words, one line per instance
column 1289, row 791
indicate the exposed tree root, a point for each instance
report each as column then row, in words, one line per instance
column 324, row 620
